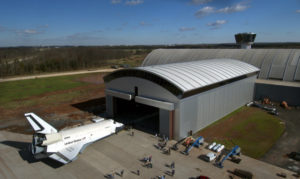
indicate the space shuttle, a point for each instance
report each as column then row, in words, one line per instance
column 65, row 145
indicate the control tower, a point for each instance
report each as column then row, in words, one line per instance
column 245, row 39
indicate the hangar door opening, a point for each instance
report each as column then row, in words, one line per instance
column 137, row 115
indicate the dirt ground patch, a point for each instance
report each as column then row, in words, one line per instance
column 60, row 108
column 94, row 79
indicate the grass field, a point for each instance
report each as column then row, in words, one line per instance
column 12, row 91
column 254, row 130
column 62, row 101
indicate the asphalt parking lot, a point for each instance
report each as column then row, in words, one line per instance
column 288, row 142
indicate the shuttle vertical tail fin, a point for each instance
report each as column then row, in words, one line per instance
column 39, row 125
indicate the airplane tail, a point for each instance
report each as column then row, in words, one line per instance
column 39, row 125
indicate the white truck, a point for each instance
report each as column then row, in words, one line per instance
column 220, row 148
column 216, row 147
column 209, row 157
column 211, row 145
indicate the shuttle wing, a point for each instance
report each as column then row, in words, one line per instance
column 68, row 154
column 39, row 125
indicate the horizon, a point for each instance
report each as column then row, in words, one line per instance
column 124, row 45
column 146, row 22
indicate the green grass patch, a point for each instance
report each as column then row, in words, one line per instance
column 254, row 130
column 241, row 109
column 16, row 90
column 48, row 100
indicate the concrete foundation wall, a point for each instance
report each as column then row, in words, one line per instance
column 199, row 111
column 278, row 93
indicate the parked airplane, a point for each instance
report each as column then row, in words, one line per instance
column 65, row 145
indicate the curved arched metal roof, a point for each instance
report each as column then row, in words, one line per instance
column 188, row 78
column 280, row 64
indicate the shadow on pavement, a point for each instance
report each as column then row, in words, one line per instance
column 25, row 153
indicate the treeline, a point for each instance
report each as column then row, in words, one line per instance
column 32, row 60
column 20, row 61
column 285, row 45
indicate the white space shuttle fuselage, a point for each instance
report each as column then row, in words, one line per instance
column 65, row 145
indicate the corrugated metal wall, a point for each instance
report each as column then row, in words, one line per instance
column 199, row 111
column 280, row 64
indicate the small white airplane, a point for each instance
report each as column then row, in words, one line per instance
column 65, row 145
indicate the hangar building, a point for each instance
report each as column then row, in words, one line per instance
column 179, row 97
column 279, row 74
column 274, row 64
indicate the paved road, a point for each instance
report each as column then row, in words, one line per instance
column 55, row 74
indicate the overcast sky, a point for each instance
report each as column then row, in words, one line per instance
column 129, row 22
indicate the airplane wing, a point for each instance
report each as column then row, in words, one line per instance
column 69, row 154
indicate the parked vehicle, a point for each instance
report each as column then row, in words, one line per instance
column 294, row 155
column 211, row 145
column 216, row 147
column 220, row 148
column 114, row 66
column 124, row 66
column 209, row 157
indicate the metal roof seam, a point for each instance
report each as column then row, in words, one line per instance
column 186, row 76
column 210, row 71
column 171, row 75
column 162, row 75
column 194, row 70
column 213, row 67
column 192, row 75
